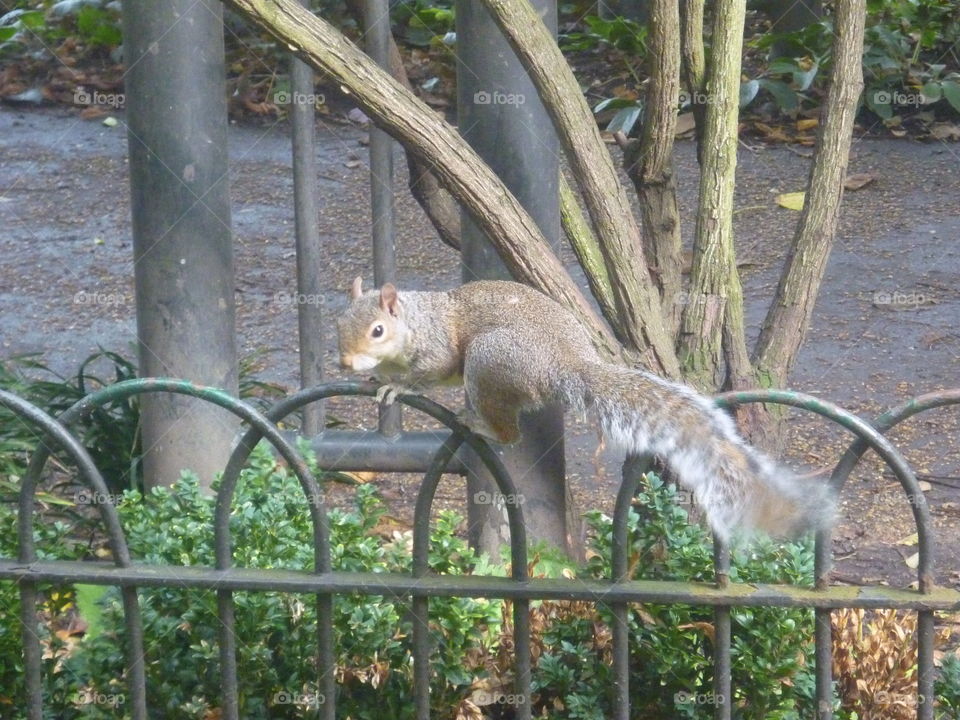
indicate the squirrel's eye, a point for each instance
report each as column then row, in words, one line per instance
column 377, row 331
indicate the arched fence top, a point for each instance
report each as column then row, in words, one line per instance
column 870, row 437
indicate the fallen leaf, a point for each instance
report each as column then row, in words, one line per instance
column 791, row 201
column 685, row 124
column 913, row 561
column 909, row 540
column 945, row 131
column 858, row 180
column 807, row 124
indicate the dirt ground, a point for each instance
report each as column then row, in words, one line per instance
column 885, row 327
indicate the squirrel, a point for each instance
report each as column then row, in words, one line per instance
column 515, row 349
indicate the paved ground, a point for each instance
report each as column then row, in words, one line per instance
column 885, row 327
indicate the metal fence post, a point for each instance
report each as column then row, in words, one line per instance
column 309, row 263
column 501, row 116
column 182, row 244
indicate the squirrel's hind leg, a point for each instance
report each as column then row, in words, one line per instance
column 496, row 378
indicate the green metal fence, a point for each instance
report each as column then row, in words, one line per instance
column 324, row 582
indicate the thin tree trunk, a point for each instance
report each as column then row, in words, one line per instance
column 713, row 277
column 638, row 303
column 694, row 64
column 401, row 114
column 586, row 248
column 788, row 318
column 649, row 162
column 439, row 205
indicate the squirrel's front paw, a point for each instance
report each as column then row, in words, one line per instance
column 387, row 394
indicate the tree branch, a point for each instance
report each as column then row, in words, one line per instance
column 649, row 162
column 713, row 278
column 694, row 64
column 637, row 301
column 788, row 318
column 458, row 168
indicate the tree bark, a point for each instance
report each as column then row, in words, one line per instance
column 586, row 248
column 400, row 113
column 649, row 162
column 788, row 318
column 638, row 303
column 439, row 205
column 694, row 65
column 713, row 278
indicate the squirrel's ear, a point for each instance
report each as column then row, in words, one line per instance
column 356, row 290
column 388, row 299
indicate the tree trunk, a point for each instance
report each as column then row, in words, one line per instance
column 713, row 277
column 788, row 318
column 640, row 320
column 694, row 65
column 649, row 162
column 400, row 113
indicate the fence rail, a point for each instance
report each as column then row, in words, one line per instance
column 325, row 582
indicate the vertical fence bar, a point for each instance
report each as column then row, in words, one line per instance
column 823, row 636
column 376, row 20
column 926, row 672
column 633, row 468
column 309, row 263
column 32, row 654
column 721, row 636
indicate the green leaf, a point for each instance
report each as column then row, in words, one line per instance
column 783, row 65
column 32, row 20
column 6, row 33
column 951, row 91
column 932, row 92
column 88, row 603
column 624, row 120
column 803, row 79
column 615, row 103
column 879, row 100
column 748, row 91
column 785, row 97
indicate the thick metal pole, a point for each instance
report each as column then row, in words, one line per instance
column 376, row 21
column 183, row 257
column 309, row 264
column 501, row 116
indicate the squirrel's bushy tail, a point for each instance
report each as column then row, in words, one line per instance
column 738, row 487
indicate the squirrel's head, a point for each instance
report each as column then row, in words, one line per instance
column 371, row 330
